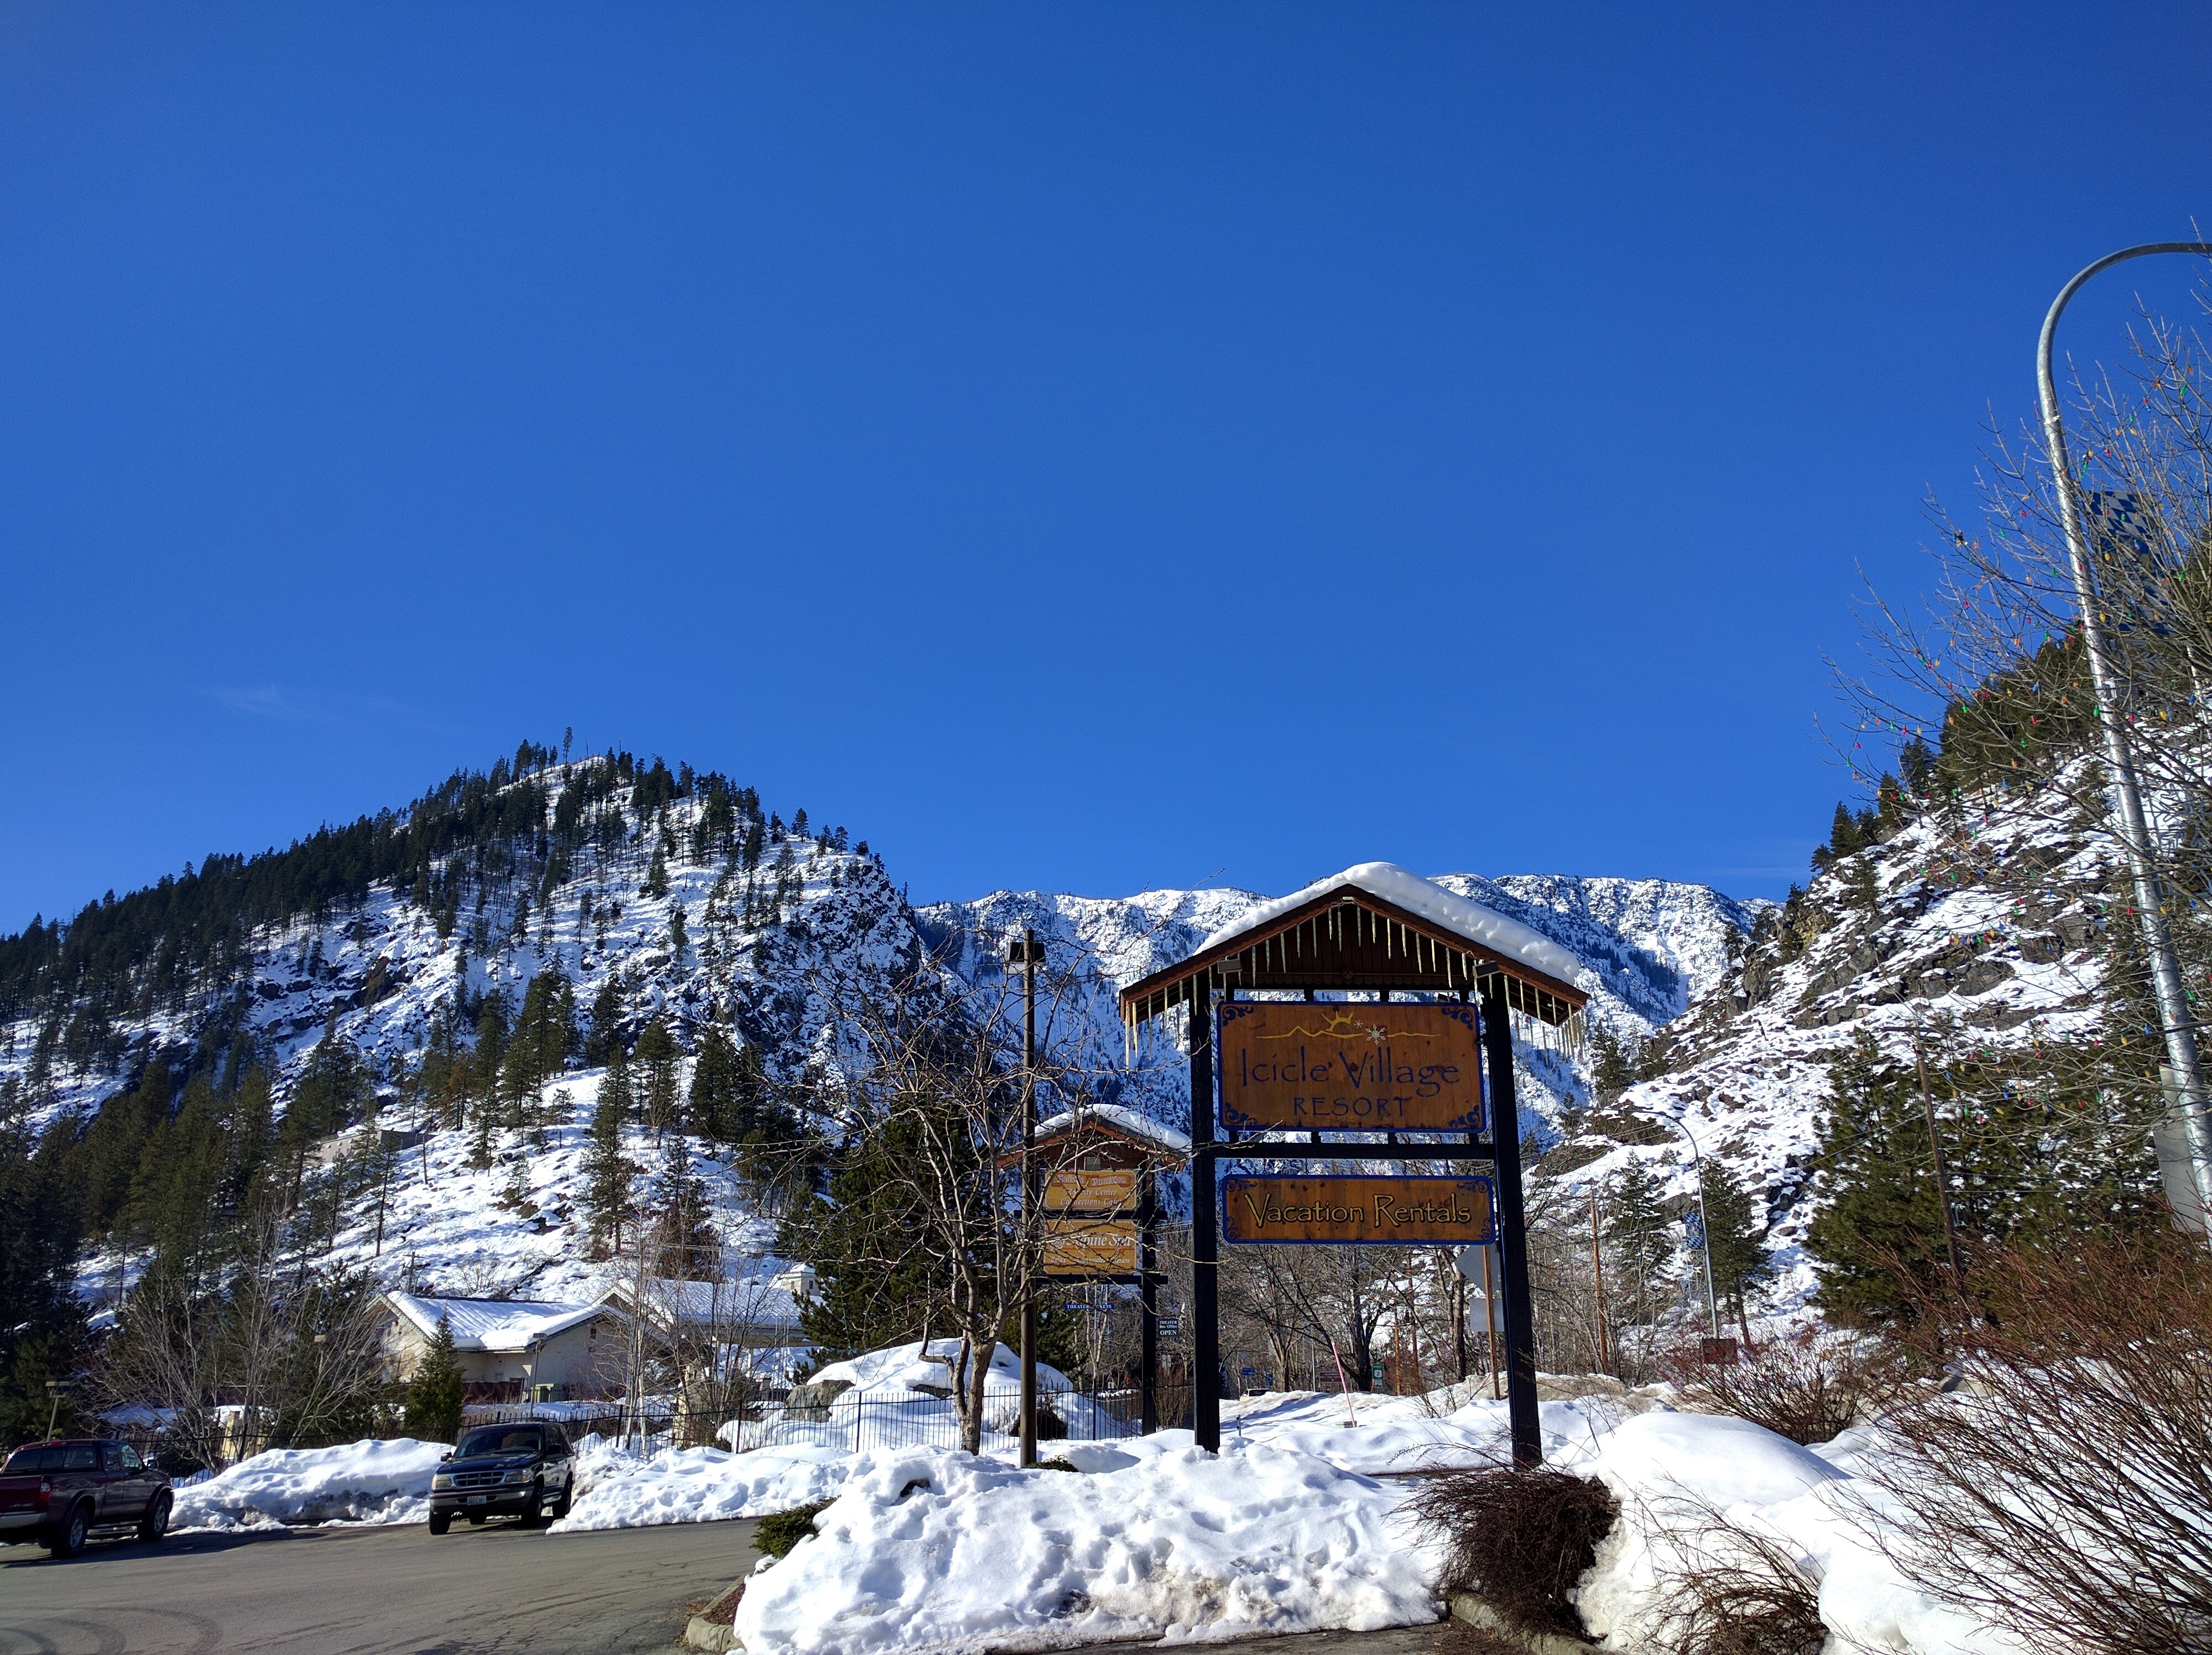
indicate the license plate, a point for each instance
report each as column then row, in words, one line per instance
column 478, row 1500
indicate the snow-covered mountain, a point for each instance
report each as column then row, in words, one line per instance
column 1983, row 917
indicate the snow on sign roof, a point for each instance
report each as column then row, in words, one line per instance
column 491, row 1323
column 1428, row 900
column 1375, row 927
column 1114, row 1118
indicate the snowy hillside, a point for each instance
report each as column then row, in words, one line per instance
column 1979, row 925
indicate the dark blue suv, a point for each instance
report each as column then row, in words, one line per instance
column 524, row 1470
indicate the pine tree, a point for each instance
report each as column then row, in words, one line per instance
column 1881, row 1211
column 656, row 875
column 713, row 1088
column 1612, row 1065
column 606, row 1171
column 1736, row 1240
column 676, row 937
column 659, row 1057
column 436, row 1392
column 860, row 1306
column 686, row 1236
column 1637, row 1226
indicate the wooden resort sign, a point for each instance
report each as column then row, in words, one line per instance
column 1415, row 1211
column 1085, row 1247
column 1338, row 1067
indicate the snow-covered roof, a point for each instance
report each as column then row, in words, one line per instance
column 1508, row 939
column 766, row 1302
column 1115, row 1118
column 491, row 1323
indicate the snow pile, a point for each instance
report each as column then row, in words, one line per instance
column 1685, row 1479
column 704, row 1485
column 371, row 1482
column 903, row 1369
column 1453, row 1429
column 931, row 1549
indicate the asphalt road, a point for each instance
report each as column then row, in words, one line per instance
column 354, row 1591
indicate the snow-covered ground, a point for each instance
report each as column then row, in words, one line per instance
column 1295, row 1526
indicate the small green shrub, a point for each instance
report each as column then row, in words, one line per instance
column 779, row 1532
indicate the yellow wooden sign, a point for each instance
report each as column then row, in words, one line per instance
column 1088, row 1247
column 1074, row 1189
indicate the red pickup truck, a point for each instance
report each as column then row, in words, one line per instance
column 58, row 1492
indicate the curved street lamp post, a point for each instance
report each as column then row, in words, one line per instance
column 2180, row 1030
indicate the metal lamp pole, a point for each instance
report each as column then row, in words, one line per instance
column 2134, row 827
column 1704, row 1228
column 1026, row 955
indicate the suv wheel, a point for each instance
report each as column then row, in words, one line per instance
column 441, row 1521
column 68, row 1539
column 155, row 1522
column 567, row 1498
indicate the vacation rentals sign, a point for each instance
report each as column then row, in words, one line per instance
column 1336, row 1067
column 1413, row 1211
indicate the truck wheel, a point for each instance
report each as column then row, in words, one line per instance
column 568, row 1498
column 441, row 1521
column 476, row 1519
column 68, row 1539
column 155, row 1522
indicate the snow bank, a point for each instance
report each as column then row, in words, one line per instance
column 1685, row 1481
column 931, row 1549
column 1398, row 1434
column 704, row 1485
column 371, row 1482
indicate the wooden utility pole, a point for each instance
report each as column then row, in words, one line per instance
column 1597, row 1275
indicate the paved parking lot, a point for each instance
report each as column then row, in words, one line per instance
column 369, row 1591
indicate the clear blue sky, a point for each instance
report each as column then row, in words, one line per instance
column 1084, row 447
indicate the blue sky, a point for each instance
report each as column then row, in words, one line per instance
column 1094, row 447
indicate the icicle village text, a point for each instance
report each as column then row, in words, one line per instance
column 1412, row 1068
column 1409, row 1060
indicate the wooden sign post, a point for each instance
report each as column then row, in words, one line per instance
column 1413, row 1055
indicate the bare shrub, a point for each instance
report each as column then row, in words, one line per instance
column 1730, row 1590
column 1518, row 1539
column 1810, row 1386
column 2061, row 1493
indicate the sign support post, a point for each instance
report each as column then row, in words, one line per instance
column 1148, row 1304
column 1204, row 1255
column 1512, row 1228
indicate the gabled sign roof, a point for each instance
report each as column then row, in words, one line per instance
column 1375, row 926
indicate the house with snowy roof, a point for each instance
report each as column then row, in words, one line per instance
column 759, row 1312
column 509, row 1349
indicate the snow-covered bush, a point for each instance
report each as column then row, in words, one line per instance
column 2063, row 1492
column 1810, row 1386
